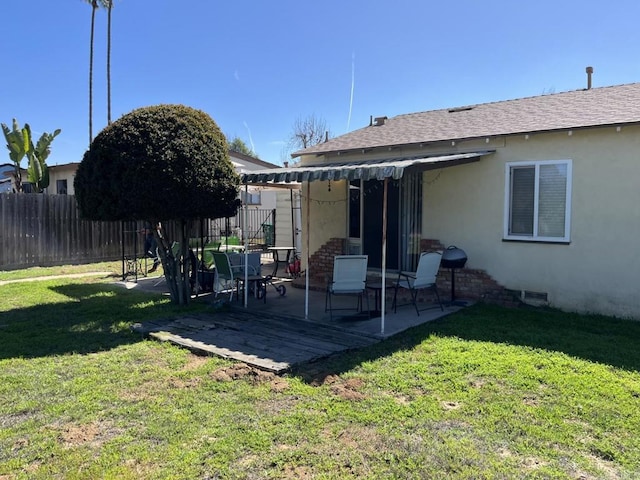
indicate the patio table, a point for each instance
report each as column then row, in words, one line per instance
column 376, row 286
column 276, row 257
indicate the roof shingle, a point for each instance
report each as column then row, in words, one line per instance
column 613, row 105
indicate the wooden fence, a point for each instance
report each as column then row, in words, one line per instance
column 46, row 230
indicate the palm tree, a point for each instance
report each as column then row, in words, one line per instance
column 108, row 4
column 94, row 7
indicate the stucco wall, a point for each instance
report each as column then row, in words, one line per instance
column 62, row 172
column 328, row 213
column 598, row 270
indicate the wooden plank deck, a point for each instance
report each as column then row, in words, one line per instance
column 265, row 341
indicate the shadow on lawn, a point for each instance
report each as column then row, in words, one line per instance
column 593, row 338
column 96, row 317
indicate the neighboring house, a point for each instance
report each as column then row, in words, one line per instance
column 284, row 202
column 61, row 179
column 6, row 177
column 541, row 193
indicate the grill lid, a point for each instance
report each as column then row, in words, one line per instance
column 453, row 257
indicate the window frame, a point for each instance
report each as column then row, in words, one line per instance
column 59, row 190
column 536, row 164
column 249, row 198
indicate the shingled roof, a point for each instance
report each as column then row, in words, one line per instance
column 615, row 105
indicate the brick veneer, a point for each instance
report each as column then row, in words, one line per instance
column 322, row 261
column 471, row 284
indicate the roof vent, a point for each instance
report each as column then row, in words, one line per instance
column 460, row 109
column 589, row 71
column 379, row 121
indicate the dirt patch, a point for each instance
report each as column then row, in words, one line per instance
column 361, row 438
column 194, row 362
column 348, row 389
column 298, row 472
column 242, row 371
column 279, row 384
column 451, row 405
column 95, row 434
column 181, row 384
column 532, row 463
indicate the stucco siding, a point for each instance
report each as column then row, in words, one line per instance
column 328, row 213
column 598, row 270
column 63, row 172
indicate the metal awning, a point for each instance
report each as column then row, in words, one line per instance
column 382, row 170
column 365, row 170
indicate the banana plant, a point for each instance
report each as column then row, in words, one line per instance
column 37, row 171
column 18, row 143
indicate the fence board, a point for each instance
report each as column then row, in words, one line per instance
column 46, row 230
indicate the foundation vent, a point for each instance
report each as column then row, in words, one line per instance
column 537, row 299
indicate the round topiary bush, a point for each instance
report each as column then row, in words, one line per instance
column 164, row 162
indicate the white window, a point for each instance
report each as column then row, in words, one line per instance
column 538, row 201
column 251, row 197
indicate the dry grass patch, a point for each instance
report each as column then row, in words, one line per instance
column 194, row 362
column 94, row 434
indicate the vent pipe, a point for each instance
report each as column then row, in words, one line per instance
column 589, row 73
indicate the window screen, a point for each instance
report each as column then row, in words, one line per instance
column 538, row 196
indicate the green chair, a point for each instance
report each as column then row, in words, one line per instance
column 231, row 275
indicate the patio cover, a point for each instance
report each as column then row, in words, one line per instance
column 383, row 170
column 365, row 170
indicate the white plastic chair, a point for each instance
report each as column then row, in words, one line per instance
column 424, row 278
column 349, row 278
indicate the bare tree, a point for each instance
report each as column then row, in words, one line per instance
column 307, row 132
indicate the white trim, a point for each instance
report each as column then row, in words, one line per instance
column 507, row 201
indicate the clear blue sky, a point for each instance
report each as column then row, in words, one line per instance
column 255, row 66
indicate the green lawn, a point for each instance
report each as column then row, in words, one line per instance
column 488, row 393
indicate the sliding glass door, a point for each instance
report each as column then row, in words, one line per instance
column 404, row 221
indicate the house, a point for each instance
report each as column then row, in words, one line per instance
column 6, row 177
column 283, row 203
column 61, row 179
column 541, row 193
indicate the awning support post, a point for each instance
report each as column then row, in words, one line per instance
column 246, row 246
column 383, row 303
column 306, row 270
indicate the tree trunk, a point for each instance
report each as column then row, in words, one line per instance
column 178, row 263
column 94, row 7
column 109, row 62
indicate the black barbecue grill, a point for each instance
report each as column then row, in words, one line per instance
column 453, row 258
